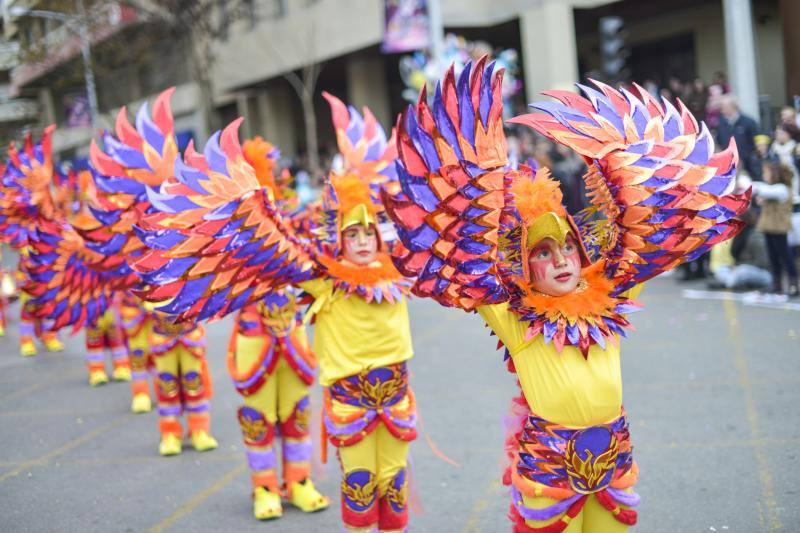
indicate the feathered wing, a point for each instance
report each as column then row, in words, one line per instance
column 653, row 174
column 451, row 171
column 215, row 238
column 362, row 143
column 78, row 267
column 25, row 190
column 68, row 283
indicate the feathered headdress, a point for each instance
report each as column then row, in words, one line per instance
column 352, row 192
column 536, row 203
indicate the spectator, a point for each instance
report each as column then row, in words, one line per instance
column 734, row 125
column 697, row 99
column 712, row 106
column 719, row 79
column 763, row 154
column 789, row 121
column 568, row 167
column 783, row 149
column 775, row 222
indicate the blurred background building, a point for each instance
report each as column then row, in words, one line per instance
column 263, row 54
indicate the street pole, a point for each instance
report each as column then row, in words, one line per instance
column 88, row 73
column 436, row 29
column 82, row 31
column 741, row 55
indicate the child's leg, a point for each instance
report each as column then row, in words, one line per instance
column 96, row 355
column 598, row 519
column 359, row 483
column 115, row 340
column 195, row 395
column 786, row 255
column 27, row 327
column 139, row 358
column 294, row 413
column 392, row 481
column 776, row 265
column 168, row 394
column 258, row 416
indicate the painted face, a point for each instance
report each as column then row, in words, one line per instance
column 555, row 269
column 360, row 244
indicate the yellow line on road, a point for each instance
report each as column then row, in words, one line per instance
column 771, row 521
column 195, row 502
column 36, row 386
column 480, row 506
column 44, row 459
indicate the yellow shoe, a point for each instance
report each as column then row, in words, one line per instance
column 121, row 374
column 170, row 445
column 141, row 403
column 202, row 441
column 53, row 345
column 266, row 504
column 2, row 331
column 27, row 349
column 97, row 377
column 306, row 497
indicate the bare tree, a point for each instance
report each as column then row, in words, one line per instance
column 189, row 26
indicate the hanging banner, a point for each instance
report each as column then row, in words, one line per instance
column 407, row 26
column 76, row 110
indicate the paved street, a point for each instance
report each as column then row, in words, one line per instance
column 711, row 387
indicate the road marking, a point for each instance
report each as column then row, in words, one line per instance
column 480, row 506
column 198, row 499
column 751, row 411
column 44, row 459
column 36, row 386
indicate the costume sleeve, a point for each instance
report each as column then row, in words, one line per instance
column 503, row 323
column 317, row 287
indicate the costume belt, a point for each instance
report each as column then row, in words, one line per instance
column 377, row 394
column 568, row 464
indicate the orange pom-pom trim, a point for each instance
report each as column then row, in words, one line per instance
column 538, row 196
column 368, row 276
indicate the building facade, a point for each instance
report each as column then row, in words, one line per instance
column 557, row 41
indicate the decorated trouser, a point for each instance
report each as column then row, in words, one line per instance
column 573, row 480
column 274, row 374
column 371, row 419
column 182, row 381
column 106, row 335
column 138, row 329
column 30, row 327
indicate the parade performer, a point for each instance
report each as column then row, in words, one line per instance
column 77, row 274
column 556, row 289
column 220, row 243
column 272, row 367
column 25, row 200
column 137, row 324
column 107, row 336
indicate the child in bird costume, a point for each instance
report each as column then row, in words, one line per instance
column 556, row 289
column 79, row 271
column 273, row 367
column 26, row 200
column 220, row 243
